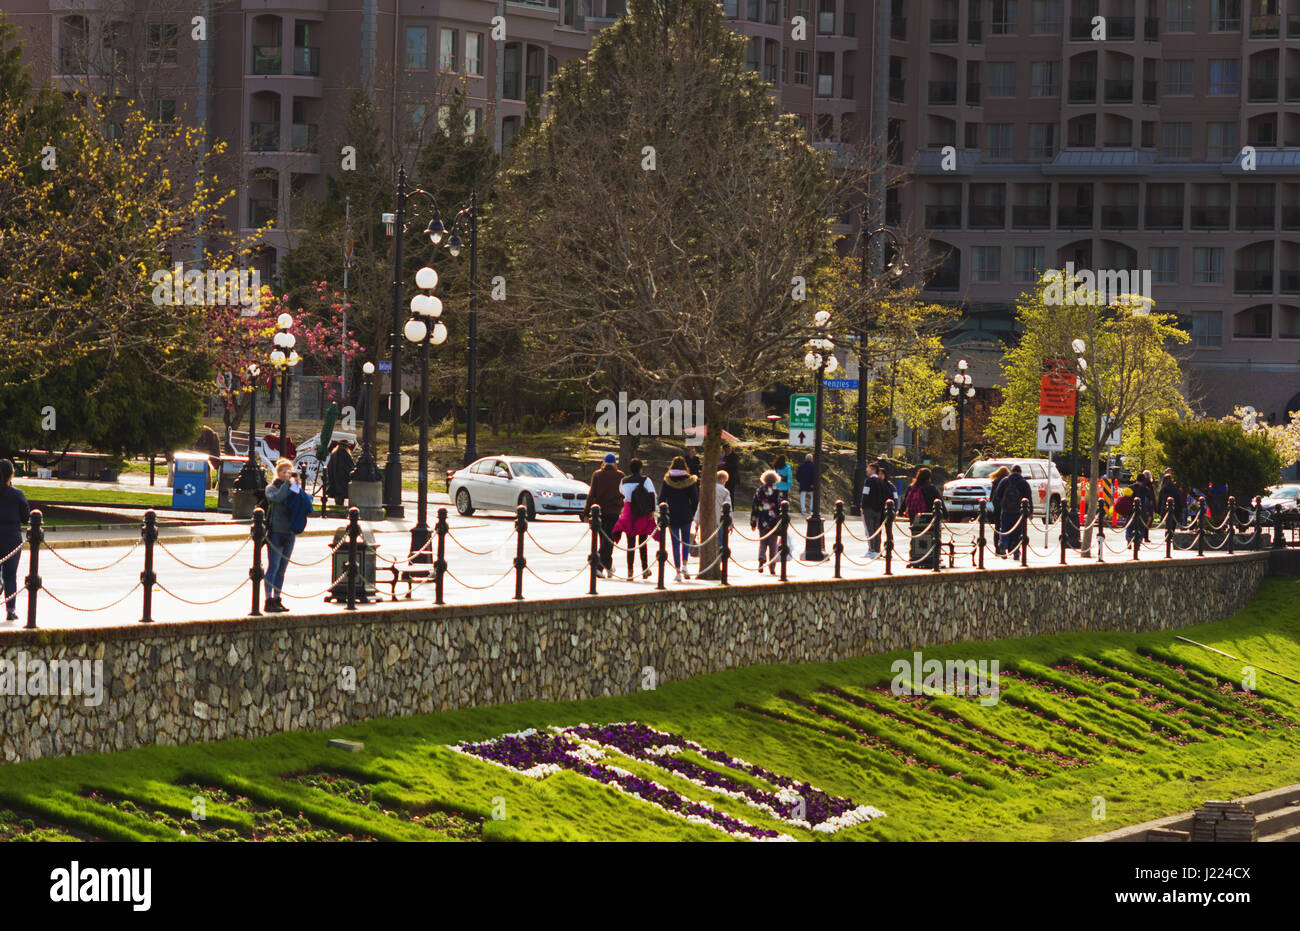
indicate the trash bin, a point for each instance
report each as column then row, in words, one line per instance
column 231, row 466
column 925, row 550
column 189, row 481
column 366, row 550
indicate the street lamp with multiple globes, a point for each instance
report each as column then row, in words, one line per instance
column 418, row 331
column 962, row 390
column 251, row 477
column 284, row 357
column 820, row 359
column 365, row 470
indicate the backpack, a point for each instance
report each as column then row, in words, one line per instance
column 299, row 506
column 643, row 500
column 914, row 503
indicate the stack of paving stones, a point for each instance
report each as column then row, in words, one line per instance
column 1224, row 822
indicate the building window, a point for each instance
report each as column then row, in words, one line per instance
column 1206, row 327
column 1002, row 78
column 1047, row 17
column 801, row 68
column 473, row 53
column 1042, row 140
column 415, row 117
column 1000, row 140
column 1164, row 264
column 1029, row 263
column 447, row 49
column 1225, row 76
column 511, row 89
column 162, row 111
column 972, row 140
column 1002, row 18
column 1148, row 139
column 473, row 119
column 986, row 263
column 417, row 48
column 1176, row 140
column 730, row 9
column 1178, row 76
column 1225, row 15
column 752, row 10
column 1207, row 265
column 1221, row 141
column 162, row 43
column 509, row 129
column 1045, row 79
column 1180, row 16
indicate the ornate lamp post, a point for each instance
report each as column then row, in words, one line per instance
column 425, row 308
column 365, row 469
column 284, row 357
column 962, row 389
column 821, row 360
column 251, row 477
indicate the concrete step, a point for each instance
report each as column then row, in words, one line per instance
column 1277, row 813
column 1277, row 821
column 1290, row 835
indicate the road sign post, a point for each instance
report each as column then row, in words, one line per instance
column 803, row 419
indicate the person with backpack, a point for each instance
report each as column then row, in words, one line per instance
column 606, row 491
column 681, row 492
column 998, row 475
column 1011, row 492
column 765, row 517
column 290, row 506
column 637, row 521
column 919, row 505
column 14, row 515
column 874, row 495
column 784, row 477
column 804, row 475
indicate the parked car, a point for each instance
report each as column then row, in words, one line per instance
column 961, row 496
column 1286, row 497
column 502, row 483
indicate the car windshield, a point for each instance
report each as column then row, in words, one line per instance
column 982, row 469
column 536, row 468
column 1284, row 491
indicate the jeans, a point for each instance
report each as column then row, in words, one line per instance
column 805, row 501
column 680, row 537
column 607, row 522
column 9, row 568
column 871, row 521
column 1011, row 539
column 277, row 560
column 767, row 550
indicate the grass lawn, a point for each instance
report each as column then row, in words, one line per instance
column 104, row 498
column 1148, row 724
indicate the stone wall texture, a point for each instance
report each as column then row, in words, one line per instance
column 185, row 683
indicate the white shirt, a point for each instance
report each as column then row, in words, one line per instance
column 628, row 487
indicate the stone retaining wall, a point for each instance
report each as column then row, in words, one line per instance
column 185, row 683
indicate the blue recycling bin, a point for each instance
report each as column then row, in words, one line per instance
column 189, row 481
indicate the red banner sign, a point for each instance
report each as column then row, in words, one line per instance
column 1057, row 396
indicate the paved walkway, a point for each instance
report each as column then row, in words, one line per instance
column 203, row 570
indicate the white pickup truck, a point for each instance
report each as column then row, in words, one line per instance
column 961, row 496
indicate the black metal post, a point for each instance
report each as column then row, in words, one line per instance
column 724, row 541
column 1139, row 527
column 839, row 535
column 981, row 541
column 1259, row 523
column 251, row 477
column 937, row 523
column 1200, row 527
column 594, row 559
column 1025, row 511
column 35, row 536
column 1279, row 538
column 1101, row 534
column 440, row 564
column 284, row 412
column 890, row 507
column 148, row 533
column 365, row 469
column 1071, row 527
column 961, row 424
column 1232, row 523
column 354, row 531
column 393, row 466
column 420, row 532
column 784, row 529
column 1063, row 541
column 521, row 527
column 814, row 551
column 256, row 573
column 1170, row 521
column 662, row 555
column 471, row 423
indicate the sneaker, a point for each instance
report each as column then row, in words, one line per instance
column 275, row 605
column 645, row 573
column 12, row 617
column 679, row 576
column 872, row 554
column 685, row 574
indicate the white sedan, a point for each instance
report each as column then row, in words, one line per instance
column 503, row 483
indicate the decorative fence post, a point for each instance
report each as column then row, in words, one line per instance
column 521, row 528
column 784, row 530
column 1170, row 521
column 1101, row 535
column 594, row 558
column 35, row 536
column 1200, row 526
column 1232, row 523
column 724, row 540
column 662, row 555
column 1279, row 539
column 1139, row 526
column 354, row 532
column 1258, row 518
column 1025, row 511
column 938, row 534
column 981, row 540
column 890, row 507
column 440, row 564
column 149, row 533
column 839, row 535
column 257, row 573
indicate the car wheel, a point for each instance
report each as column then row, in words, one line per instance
column 463, row 506
column 530, row 509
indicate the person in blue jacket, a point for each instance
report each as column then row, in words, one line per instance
column 784, row 477
column 280, row 538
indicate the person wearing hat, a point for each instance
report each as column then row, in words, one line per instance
column 605, row 491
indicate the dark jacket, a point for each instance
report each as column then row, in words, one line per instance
column 682, row 495
column 14, row 515
column 731, row 464
column 1011, row 490
column 605, row 491
column 277, row 498
column 874, row 494
column 1169, row 489
column 929, row 494
column 338, row 473
column 804, row 475
column 693, row 464
column 765, row 511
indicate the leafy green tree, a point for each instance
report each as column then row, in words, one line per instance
column 1204, row 452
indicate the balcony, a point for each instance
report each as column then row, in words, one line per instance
column 987, row 216
column 1074, row 217
column 973, row 93
column 1290, row 281
column 1151, row 28
column 1080, row 28
column 1293, row 89
column 1031, row 217
column 942, row 92
column 1084, row 91
column 1164, row 217
column 942, row 216
column 1150, row 91
column 1252, row 281
column 261, row 211
column 1119, row 91
column 1254, row 217
column 1265, row 27
column 974, row 31
column 898, row 28
column 266, row 59
column 305, row 137
column 1119, row 216
column 943, row 30
column 825, row 85
column 263, row 137
column 1262, row 89
column 1120, row 27
column 1209, row 218
column 306, row 61
column 1290, row 217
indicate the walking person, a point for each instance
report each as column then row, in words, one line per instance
column 693, row 460
column 681, row 492
column 338, row 474
column 282, row 497
column 784, row 477
column 721, row 496
column 998, row 475
column 874, row 495
column 730, row 463
column 605, row 491
column 637, row 520
column 804, row 476
column 919, row 505
column 1169, row 490
column 14, row 516
column 765, row 517
column 1013, row 490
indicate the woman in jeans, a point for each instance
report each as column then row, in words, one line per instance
column 765, row 517
column 681, row 492
column 280, row 539
column 14, row 515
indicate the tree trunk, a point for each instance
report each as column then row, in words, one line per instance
column 707, row 514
